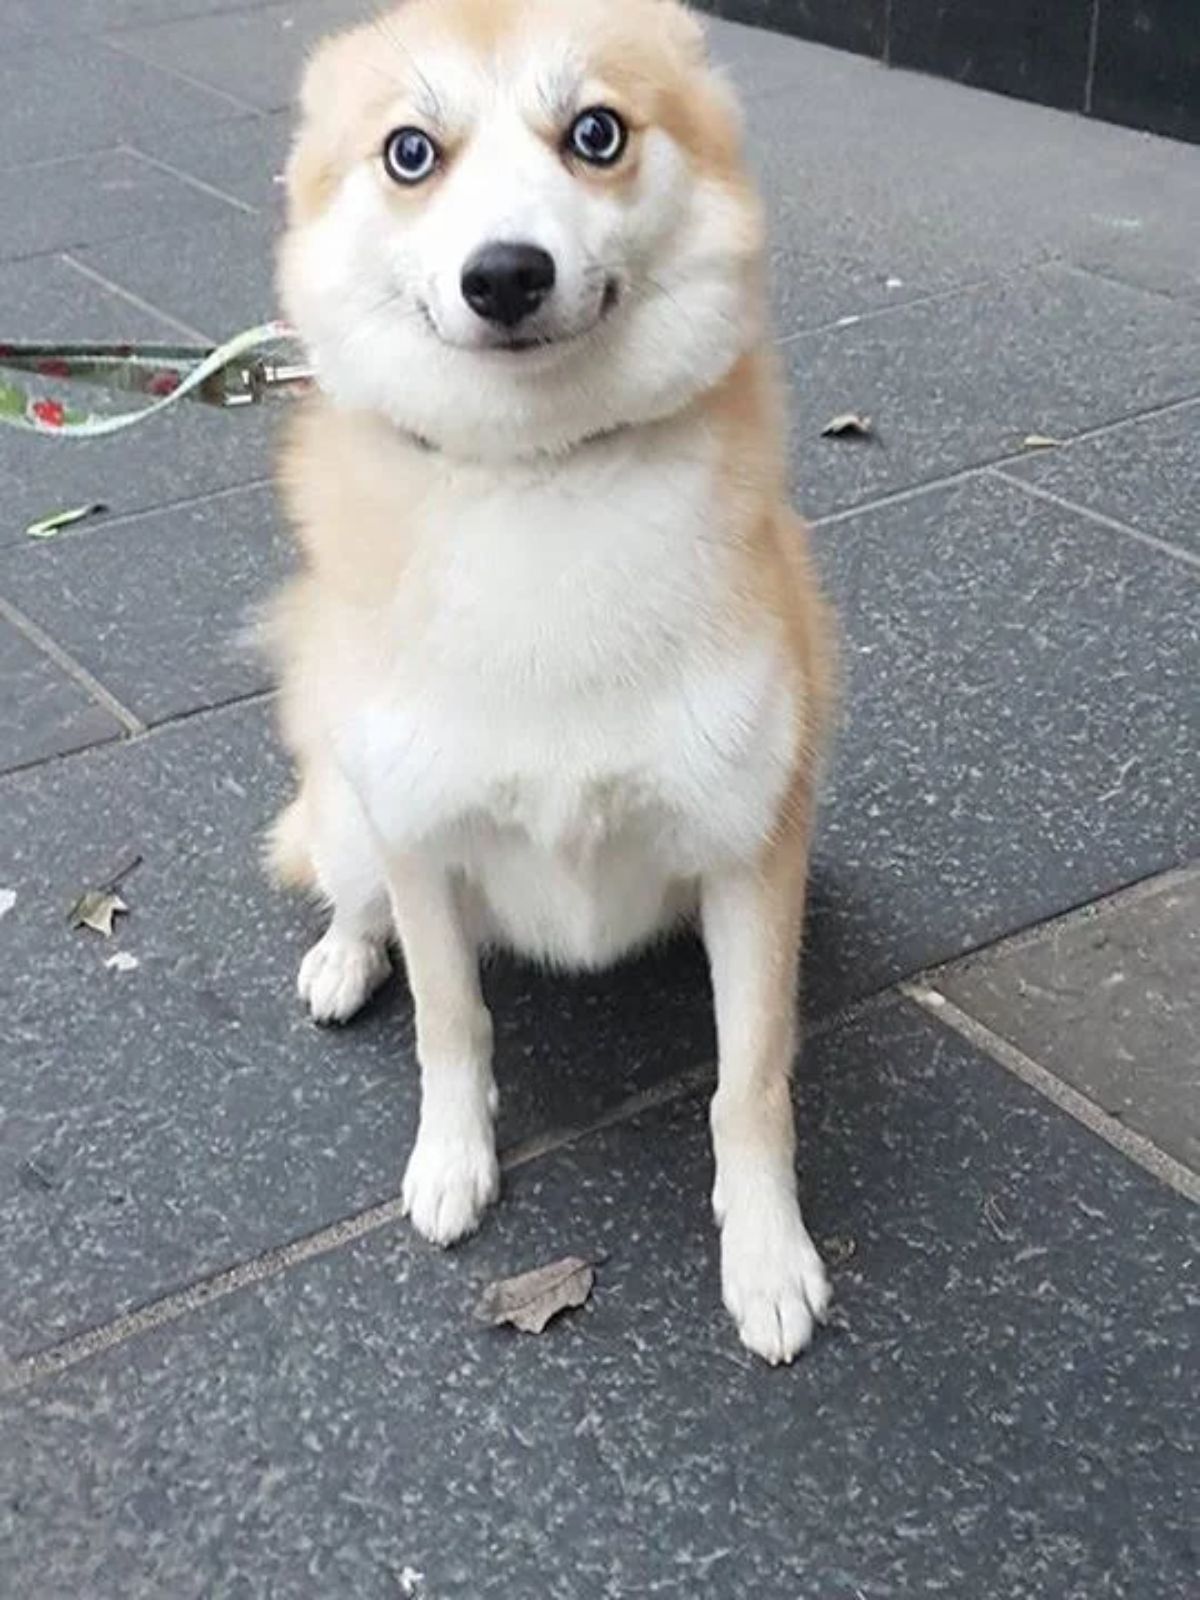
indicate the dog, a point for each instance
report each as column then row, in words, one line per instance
column 555, row 673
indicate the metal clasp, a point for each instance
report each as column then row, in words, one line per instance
column 249, row 385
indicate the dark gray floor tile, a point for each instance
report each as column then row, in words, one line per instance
column 111, row 195
column 81, row 96
column 256, row 53
column 217, row 277
column 158, row 608
column 1146, row 474
column 190, row 451
column 1110, row 1001
column 973, row 186
column 961, row 381
column 185, row 1114
column 1007, row 1411
column 41, row 21
column 1020, row 732
column 42, row 713
column 244, row 157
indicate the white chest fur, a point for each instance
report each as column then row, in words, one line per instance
column 559, row 700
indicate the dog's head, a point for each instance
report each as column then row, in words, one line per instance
column 518, row 223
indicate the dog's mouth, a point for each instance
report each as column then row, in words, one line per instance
column 528, row 344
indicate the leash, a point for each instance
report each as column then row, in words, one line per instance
column 245, row 370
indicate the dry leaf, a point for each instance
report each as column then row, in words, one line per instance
column 96, row 909
column 848, row 425
column 1039, row 441
column 49, row 526
column 529, row 1300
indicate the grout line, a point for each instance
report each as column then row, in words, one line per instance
column 1163, row 546
column 1089, row 81
column 122, row 518
column 997, row 463
column 67, row 663
column 1135, row 1146
column 1129, row 894
column 133, row 299
column 872, row 313
column 24, row 1371
column 190, row 179
column 109, row 42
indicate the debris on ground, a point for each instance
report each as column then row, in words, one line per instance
column 849, row 425
column 839, row 1248
column 1039, row 441
column 58, row 520
column 8, row 899
column 531, row 1299
column 98, row 908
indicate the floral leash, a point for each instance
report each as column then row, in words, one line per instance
column 242, row 371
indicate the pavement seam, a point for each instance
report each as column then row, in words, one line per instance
column 22, row 1372
column 1089, row 80
column 114, row 288
column 121, row 519
column 190, row 179
column 874, row 313
column 95, row 690
column 1135, row 1146
column 127, row 53
column 1113, row 524
column 993, row 468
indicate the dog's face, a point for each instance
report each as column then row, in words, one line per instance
column 518, row 223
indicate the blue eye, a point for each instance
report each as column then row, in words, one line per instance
column 597, row 135
column 409, row 155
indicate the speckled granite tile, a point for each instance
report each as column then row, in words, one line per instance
column 1021, row 728
column 42, row 713
column 217, row 277
column 1110, row 1001
column 100, row 196
column 1146, row 474
column 158, row 608
column 78, row 95
column 186, row 1114
column 960, row 381
column 1007, row 1412
column 190, row 451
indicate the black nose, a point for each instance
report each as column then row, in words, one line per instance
column 505, row 282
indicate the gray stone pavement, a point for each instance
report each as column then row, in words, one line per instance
column 229, row 1369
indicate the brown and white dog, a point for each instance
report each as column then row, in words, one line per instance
column 555, row 672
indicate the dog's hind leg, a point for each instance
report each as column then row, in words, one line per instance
column 349, row 962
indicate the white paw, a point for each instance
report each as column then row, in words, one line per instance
column 339, row 975
column 772, row 1278
column 452, row 1178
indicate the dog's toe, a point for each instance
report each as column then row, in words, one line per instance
column 773, row 1281
column 339, row 975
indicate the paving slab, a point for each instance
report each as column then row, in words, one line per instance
column 1020, row 733
column 1146, row 474
column 43, row 712
column 159, row 607
column 216, row 276
column 961, row 381
column 975, row 185
column 93, row 198
column 1110, row 1001
column 243, row 157
column 41, row 21
column 1005, row 1409
column 188, row 452
column 79, row 96
column 186, row 1114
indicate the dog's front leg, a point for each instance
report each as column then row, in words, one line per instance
column 452, row 1174
column 771, row 1276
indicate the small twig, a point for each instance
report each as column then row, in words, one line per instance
column 115, row 879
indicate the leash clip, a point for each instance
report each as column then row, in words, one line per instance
column 249, row 384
